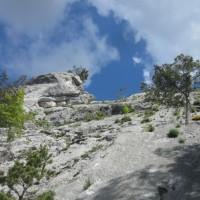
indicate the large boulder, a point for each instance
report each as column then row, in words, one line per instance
column 54, row 89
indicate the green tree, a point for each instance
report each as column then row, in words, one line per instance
column 12, row 114
column 82, row 72
column 23, row 175
column 173, row 83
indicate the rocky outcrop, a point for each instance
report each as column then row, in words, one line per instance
column 54, row 89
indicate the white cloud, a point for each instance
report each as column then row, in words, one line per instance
column 168, row 27
column 136, row 59
column 32, row 16
column 37, row 41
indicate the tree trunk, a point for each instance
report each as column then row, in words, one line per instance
column 187, row 110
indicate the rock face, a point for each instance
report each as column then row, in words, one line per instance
column 93, row 141
column 50, row 90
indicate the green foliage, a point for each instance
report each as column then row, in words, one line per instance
column 43, row 123
column 88, row 153
column 11, row 111
column 23, row 175
column 12, row 115
column 196, row 103
column 178, row 125
column 173, row 83
column 150, row 128
column 177, row 112
column 6, row 196
column 173, row 133
column 46, row 196
column 82, row 72
column 181, row 140
column 192, row 109
column 95, row 116
column 87, row 184
column 60, row 134
column 155, row 107
column 127, row 109
column 145, row 120
column 149, row 113
column 125, row 119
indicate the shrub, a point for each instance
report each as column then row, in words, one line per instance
column 127, row 109
column 196, row 117
column 99, row 116
column 82, row 72
column 196, row 103
column 149, row 113
column 155, row 107
column 150, row 128
column 23, row 175
column 125, row 119
column 192, row 109
column 60, row 134
column 145, row 120
column 177, row 112
column 117, row 121
column 87, row 184
column 89, row 116
column 173, row 133
column 182, row 140
column 88, row 153
column 46, row 196
column 43, row 123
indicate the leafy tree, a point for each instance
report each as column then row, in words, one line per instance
column 173, row 83
column 12, row 114
column 23, row 175
column 82, row 72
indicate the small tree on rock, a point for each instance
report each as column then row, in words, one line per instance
column 23, row 175
column 173, row 83
column 82, row 72
column 12, row 114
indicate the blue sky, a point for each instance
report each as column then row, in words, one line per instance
column 118, row 41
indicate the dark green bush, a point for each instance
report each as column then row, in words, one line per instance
column 46, row 196
column 182, row 140
column 149, row 113
column 173, row 133
column 87, row 184
column 196, row 103
column 145, row 120
column 192, row 109
column 150, row 128
column 82, row 72
column 125, row 119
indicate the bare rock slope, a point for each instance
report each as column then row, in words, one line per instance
column 106, row 150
